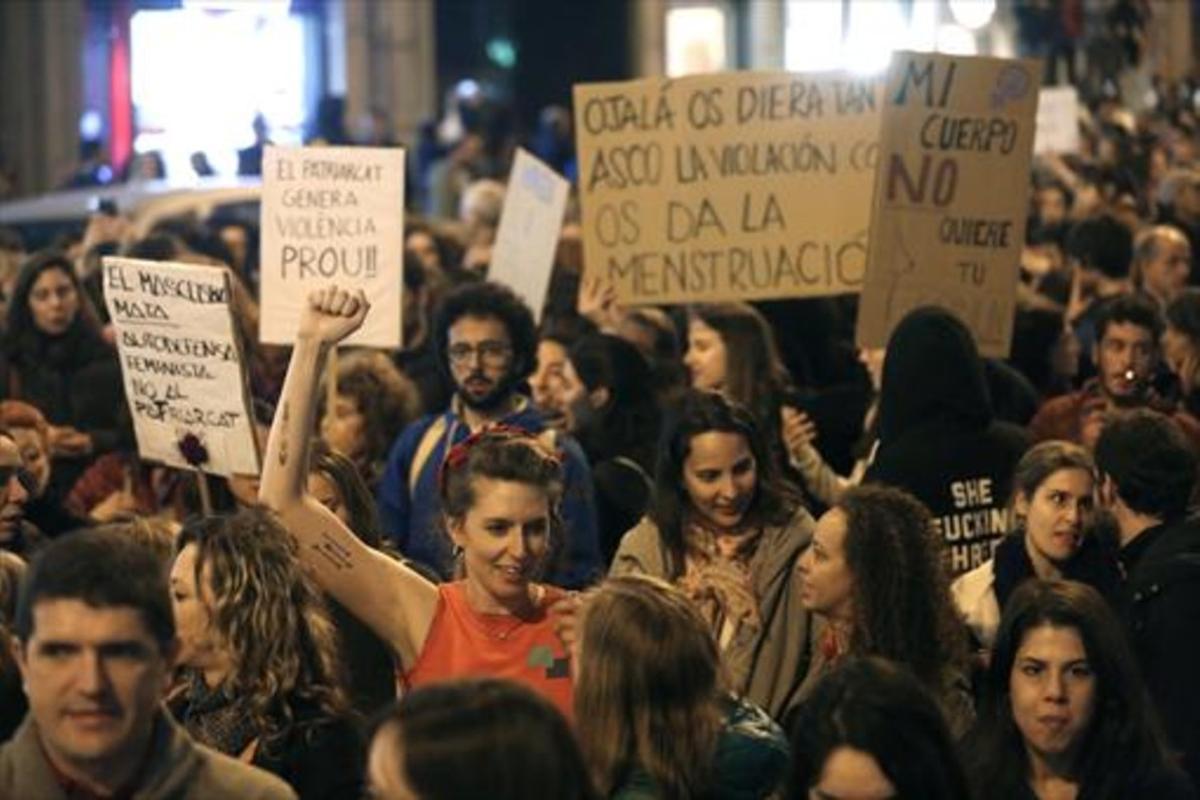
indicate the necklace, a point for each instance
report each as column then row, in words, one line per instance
column 501, row 626
column 502, row 634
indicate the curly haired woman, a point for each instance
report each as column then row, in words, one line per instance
column 259, row 656
column 874, row 576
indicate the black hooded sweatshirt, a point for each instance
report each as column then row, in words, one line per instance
column 938, row 438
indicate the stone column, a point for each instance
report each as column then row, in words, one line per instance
column 41, row 46
column 766, row 22
column 648, row 35
column 389, row 61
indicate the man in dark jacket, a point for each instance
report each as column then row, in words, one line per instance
column 1149, row 475
column 938, row 438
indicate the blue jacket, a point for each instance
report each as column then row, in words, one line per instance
column 413, row 521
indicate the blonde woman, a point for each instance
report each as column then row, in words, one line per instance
column 653, row 716
column 259, row 657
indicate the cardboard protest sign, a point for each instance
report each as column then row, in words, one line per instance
column 951, row 195
column 732, row 186
column 332, row 215
column 1057, row 121
column 182, row 365
column 523, row 255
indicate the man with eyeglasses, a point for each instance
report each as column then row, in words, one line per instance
column 17, row 486
column 486, row 341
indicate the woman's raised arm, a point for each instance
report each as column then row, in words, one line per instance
column 393, row 600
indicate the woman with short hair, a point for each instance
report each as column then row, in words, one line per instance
column 500, row 493
column 372, row 404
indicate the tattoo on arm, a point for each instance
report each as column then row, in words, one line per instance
column 333, row 551
column 283, row 442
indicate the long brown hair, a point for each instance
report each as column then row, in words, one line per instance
column 755, row 374
column 1123, row 744
column 648, row 688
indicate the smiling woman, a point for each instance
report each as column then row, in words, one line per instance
column 499, row 492
column 724, row 530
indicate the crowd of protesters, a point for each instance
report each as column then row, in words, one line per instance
column 632, row 552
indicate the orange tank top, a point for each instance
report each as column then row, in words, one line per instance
column 463, row 643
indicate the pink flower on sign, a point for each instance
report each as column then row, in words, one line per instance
column 193, row 450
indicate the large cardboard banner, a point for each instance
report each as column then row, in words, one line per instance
column 733, row 186
column 1057, row 121
column 332, row 215
column 523, row 256
column 951, row 195
column 182, row 365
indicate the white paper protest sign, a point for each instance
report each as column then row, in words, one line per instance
column 1057, row 121
column 182, row 364
column 523, row 256
column 332, row 215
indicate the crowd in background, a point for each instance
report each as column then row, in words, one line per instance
column 677, row 552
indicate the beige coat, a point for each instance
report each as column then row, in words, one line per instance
column 179, row 769
column 766, row 666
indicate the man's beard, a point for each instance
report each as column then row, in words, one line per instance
column 496, row 397
column 584, row 419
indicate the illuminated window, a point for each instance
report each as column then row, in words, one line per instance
column 813, row 36
column 861, row 35
column 199, row 75
column 696, row 40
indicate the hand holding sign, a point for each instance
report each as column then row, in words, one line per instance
column 333, row 314
column 597, row 303
column 332, row 214
column 68, row 442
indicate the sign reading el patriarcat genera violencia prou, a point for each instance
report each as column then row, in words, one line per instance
column 332, row 215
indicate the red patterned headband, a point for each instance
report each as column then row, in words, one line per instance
column 459, row 453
